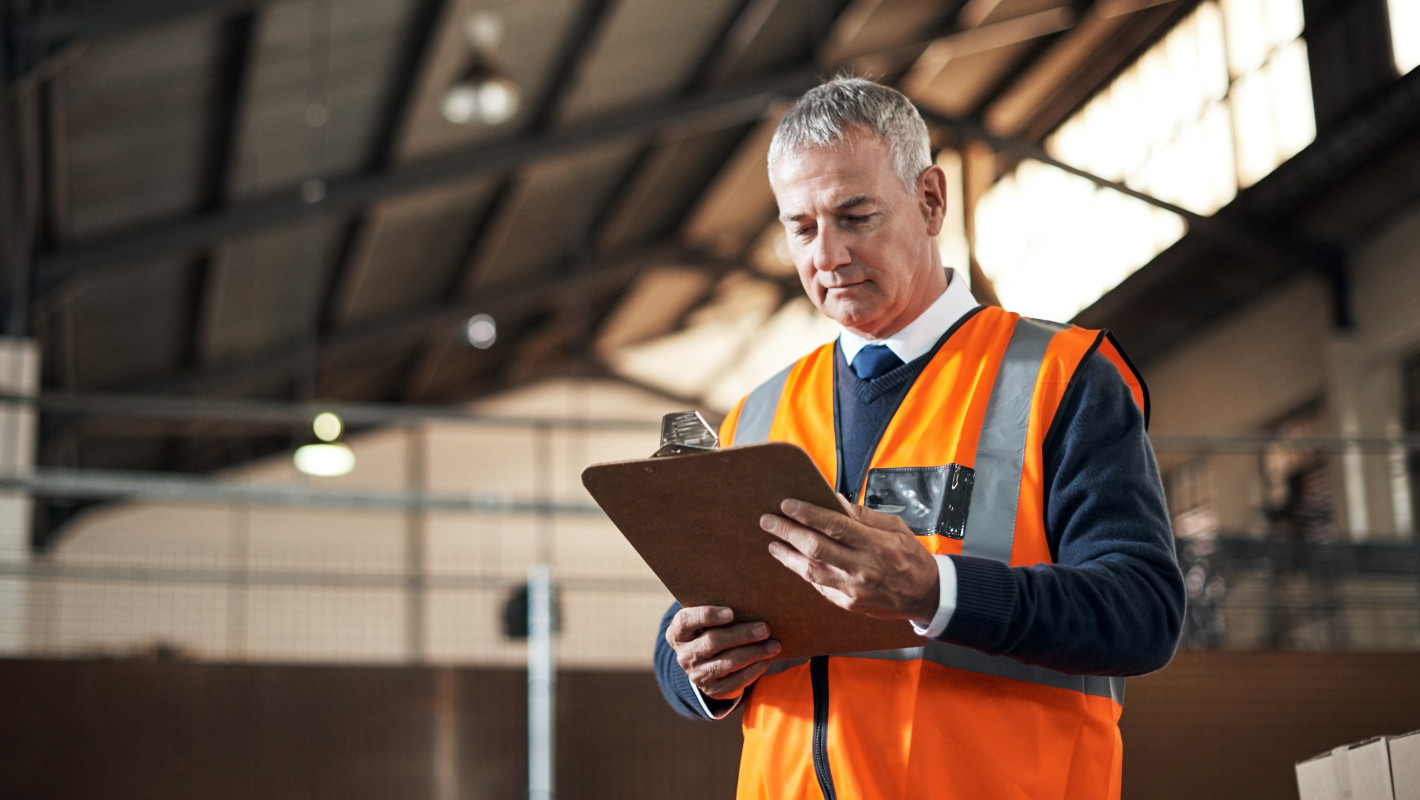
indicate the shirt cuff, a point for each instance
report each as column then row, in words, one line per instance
column 716, row 709
column 946, row 603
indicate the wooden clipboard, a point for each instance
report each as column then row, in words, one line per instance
column 694, row 519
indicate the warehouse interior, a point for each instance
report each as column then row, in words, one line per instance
column 498, row 241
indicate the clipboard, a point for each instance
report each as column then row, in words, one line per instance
column 694, row 519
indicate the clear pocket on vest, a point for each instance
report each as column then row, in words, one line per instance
column 933, row 501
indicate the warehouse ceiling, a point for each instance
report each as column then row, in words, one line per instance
column 265, row 201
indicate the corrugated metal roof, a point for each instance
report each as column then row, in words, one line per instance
column 264, row 200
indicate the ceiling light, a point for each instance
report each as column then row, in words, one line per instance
column 482, row 331
column 325, row 458
column 482, row 94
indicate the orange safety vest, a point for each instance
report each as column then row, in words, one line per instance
column 941, row 720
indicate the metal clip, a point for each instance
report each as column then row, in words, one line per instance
column 686, row 432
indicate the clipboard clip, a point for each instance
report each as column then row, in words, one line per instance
column 685, row 432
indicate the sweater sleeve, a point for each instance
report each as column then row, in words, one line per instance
column 1113, row 601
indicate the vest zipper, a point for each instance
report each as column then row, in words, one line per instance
column 818, row 676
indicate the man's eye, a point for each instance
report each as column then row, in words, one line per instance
column 804, row 232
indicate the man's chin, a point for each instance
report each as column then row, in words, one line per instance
column 852, row 316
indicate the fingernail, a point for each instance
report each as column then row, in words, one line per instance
column 767, row 522
column 789, row 506
column 723, row 615
column 761, row 630
column 774, row 646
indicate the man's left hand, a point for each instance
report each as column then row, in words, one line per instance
column 867, row 561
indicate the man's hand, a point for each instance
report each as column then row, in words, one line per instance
column 868, row 562
column 720, row 656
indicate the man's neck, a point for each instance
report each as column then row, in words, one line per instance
column 918, row 335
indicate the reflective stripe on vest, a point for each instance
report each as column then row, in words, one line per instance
column 1000, row 455
column 758, row 412
column 964, row 658
column 1001, row 451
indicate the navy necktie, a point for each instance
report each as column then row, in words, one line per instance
column 875, row 360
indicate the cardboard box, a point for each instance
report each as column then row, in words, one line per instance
column 1405, row 766
column 1384, row 768
column 1317, row 778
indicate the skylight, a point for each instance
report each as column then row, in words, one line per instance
column 1213, row 107
column 1405, row 34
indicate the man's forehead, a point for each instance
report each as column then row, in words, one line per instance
column 860, row 159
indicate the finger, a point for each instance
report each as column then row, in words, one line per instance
column 716, row 649
column 830, row 523
column 734, row 669
column 728, row 674
column 713, row 643
column 734, row 684
column 688, row 623
column 803, row 538
column 731, row 660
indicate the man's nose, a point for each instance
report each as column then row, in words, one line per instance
column 830, row 251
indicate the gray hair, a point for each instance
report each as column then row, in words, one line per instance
column 827, row 113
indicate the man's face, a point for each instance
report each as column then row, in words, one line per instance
column 862, row 244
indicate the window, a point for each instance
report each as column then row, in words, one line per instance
column 1405, row 34
column 1213, row 107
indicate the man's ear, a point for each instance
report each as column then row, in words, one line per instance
column 932, row 198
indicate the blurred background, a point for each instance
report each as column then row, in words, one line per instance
column 314, row 310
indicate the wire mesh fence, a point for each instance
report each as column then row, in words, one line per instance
column 418, row 556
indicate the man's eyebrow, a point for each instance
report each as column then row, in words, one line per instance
column 843, row 205
column 855, row 200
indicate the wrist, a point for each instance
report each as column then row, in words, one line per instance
column 928, row 602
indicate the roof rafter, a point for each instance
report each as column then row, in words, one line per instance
column 721, row 107
column 404, row 329
column 399, row 103
column 581, row 36
column 55, row 28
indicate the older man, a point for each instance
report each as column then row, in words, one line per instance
column 1005, row 500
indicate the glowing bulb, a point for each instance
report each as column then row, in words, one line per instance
column 327, row 426
column 487, row 99
column 482, row 331
column 324, row 460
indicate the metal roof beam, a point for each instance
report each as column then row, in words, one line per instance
column 721, row 107
column 52, row 29
column 399, row 103
column 405, row 329
column 577, row 47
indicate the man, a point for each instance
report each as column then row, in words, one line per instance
column 1027, row 537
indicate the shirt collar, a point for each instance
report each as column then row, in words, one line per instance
column 921, row 333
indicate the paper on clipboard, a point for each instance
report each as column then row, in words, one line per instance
column 694, row 519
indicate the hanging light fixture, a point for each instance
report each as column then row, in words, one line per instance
column 483, row 94
column 325, row 458
column 481, row 330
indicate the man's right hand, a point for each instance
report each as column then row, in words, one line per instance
column 720, row 656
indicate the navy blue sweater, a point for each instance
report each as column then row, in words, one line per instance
column 1111, row 604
